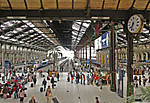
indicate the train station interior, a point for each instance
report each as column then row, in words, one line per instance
column 74, row 51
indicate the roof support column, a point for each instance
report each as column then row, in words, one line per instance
column 112, row 60
column 130, row 87
column 90, row 40
column 86, row 53
column 83, row 51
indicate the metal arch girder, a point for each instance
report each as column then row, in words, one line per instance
column 8, row 29
column 20, row 32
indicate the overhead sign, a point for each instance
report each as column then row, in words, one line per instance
column 105, row 40
column 98, row 43
column 102, row 41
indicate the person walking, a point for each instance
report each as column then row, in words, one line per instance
column 34, row 80
column 97, row 101
column 32, row 100
column 21, row 95
column 52, row 81
column 44, row 83
column 48, row 94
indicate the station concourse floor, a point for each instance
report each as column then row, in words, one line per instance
column 66, row 92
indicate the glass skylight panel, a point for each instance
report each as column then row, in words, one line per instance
column 14, row 31
column 24, row 26
column 30, row 24
column 88, row 21
column 51, row 30
column 21, row 42
column 78, row 22
column 120, row 38
column 143, row 39
column 86, row 25
column 83, row 28
column 80, row 34
column 146, row 31
column 25, row 21
column 31, row 31
column 75, row 26
column 31, row 35
column 73, row 36
column 9, row 34
column 13, row 39
column 75, row 32
column 4, row 37
column 19, row 29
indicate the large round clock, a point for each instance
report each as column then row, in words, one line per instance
column 135, row 23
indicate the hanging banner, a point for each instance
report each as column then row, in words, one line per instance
column 107, row 59
column 97, row 58
column 105, row 40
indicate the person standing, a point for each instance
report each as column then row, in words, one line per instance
column 48, row 94
column 140, row 80
column 88, row 79
column 83, row 79
column 52, row 81
column 44, row 83
column 144, row 81
column 21, row 95
column 58, row 76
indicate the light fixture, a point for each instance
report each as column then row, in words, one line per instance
column 16, row 17
column 100, row 18
column 59, row 21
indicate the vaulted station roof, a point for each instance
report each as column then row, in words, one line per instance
column 63, row 22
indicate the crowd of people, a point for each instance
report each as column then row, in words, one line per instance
column 141, row 76
column 92, row 78
column 13, row 84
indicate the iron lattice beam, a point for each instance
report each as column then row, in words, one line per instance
column 41, row 1
column 133, row 3
column 9, row 5
column 72, row 4
column 147, row 5
column 120, row 14
column 57, row 4
column 25, row 2
column 103, row 4
column 118, row 5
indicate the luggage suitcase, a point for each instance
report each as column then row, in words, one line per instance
column 31, row 84
column 55, row 100
column 41, row 89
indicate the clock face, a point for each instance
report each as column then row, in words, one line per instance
column 134, row 24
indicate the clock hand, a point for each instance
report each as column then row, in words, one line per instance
column 132, row 24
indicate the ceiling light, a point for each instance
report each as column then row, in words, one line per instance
column 102, row 18
column 16, row 17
